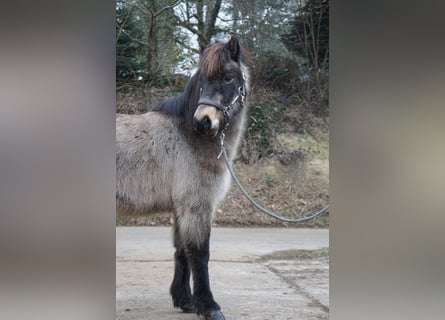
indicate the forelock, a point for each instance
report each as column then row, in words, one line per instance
column 213, row 60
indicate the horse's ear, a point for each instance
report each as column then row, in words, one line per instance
column 234, row 48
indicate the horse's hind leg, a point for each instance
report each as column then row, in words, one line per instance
column 180, row 287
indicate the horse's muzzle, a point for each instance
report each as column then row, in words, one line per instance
column 207, row 120
column 203, row 126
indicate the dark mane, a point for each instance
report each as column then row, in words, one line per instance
column 177, row 105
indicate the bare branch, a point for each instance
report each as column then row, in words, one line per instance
column 134, row 39
column 174, row 4
column 187, row 11
column 191, row 27
column 134, row 4
column 231, row 20
column 123, row 23
column 180, row 42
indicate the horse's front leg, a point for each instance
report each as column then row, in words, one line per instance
column 196, row 233
column 199, row 259
column 180, row 287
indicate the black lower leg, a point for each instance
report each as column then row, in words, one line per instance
column 180, row 287
column 203, row 299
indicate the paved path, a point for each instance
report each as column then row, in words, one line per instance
column 253, row 272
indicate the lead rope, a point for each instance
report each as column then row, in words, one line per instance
column 223, row 152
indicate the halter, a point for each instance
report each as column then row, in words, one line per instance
column 242, row 92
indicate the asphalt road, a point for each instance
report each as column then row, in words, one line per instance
column 255, row 273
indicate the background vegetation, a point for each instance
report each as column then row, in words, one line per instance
column 284, row 156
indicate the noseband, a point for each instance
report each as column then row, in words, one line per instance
column 242, row 92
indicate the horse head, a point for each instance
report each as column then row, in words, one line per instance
column 223, row 86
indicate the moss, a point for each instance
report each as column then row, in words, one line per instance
column 309, row 145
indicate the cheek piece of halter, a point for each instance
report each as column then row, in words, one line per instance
column 226, row 110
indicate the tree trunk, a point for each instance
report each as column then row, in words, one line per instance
column 205, row 28
column 212, row 14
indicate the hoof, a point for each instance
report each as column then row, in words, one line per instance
column 185, row 304
column 214, row 315
column 187, row 308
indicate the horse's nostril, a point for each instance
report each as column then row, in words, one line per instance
column 203, row 125
column 206, row 123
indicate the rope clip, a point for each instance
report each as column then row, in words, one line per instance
column 222, row 145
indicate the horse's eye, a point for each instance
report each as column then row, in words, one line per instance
column 228, row 79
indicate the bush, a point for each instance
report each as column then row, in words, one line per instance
column 277, row 72
column 263, row 122
column 284, row 74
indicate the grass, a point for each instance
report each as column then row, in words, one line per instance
column 269, row 180
column 320, row 253
column 297, row 254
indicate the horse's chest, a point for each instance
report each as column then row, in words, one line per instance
column 202, row 177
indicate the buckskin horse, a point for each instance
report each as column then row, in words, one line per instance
column 167, row 160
